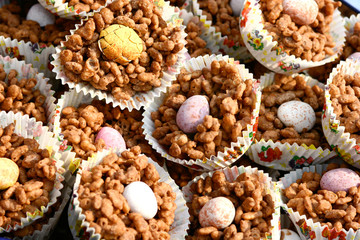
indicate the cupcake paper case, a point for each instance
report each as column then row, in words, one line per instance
column 222, row 159
column 287, row 156
column 227, row 46
column 29, row 128
column 260, row 44
column 171, row 16
column 338, row 138
column 308, row 229
column 79, row 227
column 271, row 187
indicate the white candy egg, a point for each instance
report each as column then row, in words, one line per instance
column 236, row 6
column 218, row 212
column 40, row 15
column 355, row 56
column 299, row 115
column 141, row 199
column 287, row 234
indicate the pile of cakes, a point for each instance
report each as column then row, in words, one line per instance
column 141, row 119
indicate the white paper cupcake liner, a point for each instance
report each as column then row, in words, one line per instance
column 260, row 43
column 63, row 10
column 26, row 71
column 308, row 229
column 222, row 159
column 47, row 229
column 271, row 188
column 29, row 128
column 81, row 229
column 336, row 135
column 287, row 156
column 207, row 34
column 350, row 22
column 234, row 50
column 171, row 16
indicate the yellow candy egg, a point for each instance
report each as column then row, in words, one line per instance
column 120, row 43
column 9, row 173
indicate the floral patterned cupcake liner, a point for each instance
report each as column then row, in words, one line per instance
column 307, row 228
column 340, row 140
column 29, row 128
column 81, row 229
column 171, row 16
column 231, row 174
column 228, row 47
column 26, row 71
column 222, row 159
column 261, row 45
column 287, row 156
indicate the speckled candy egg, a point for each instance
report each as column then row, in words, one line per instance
column 192, row 113
column 218, row 212
column 9, row 173
column 141, row 199
column 355, row 56
column 302, row 12
column 287, row 234
column 40, row 15
column 299, row 115
column 112, row 138
column 340, row 179
column 236, row 6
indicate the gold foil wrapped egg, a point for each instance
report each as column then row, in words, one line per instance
column 120, row 43
column 9, row 173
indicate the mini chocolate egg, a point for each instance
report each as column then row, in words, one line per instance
column 299, row 115
column 141, row 199
column 192, row 113
column 340, row 179
column 236, row 6
column 9, row 173
column 287, row 234
column 355, row 56
column 40, row 15
column 302, row 12
column 218, row 212
column 112, row 138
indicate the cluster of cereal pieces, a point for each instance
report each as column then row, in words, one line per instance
column 102, row 201
column 223, row 18
column 331, row 204
column 13, row 25
column 283, row 90
column 85, row 5
column 344, row 93
column 231, row 102
column 254, row 207
column 36, row 173
column 310, row 39
column 19, row 96
column 195, row 45
column 111, row 71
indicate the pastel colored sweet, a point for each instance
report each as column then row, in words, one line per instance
column 141, row 199
column 192, row 113
column 302, row 12
column 218, row 212
column 355, row 56
column 299, row 115
column 9, row 173
column 340, row 179
column 236, row 6
column 40, row 15
column 112, row 138
column 287, row 234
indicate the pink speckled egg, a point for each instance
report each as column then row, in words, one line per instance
column 192, row 113
column 112, row 138
column 355, row 56
column 302, row 12
column 218, row 212
column 340, row 179
column 299, row 115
